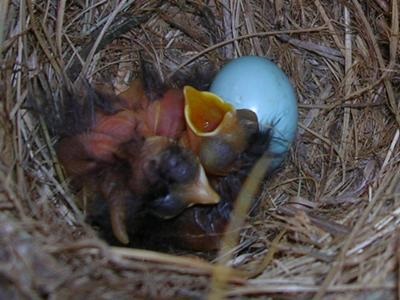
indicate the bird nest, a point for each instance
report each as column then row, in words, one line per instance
column 328, row 222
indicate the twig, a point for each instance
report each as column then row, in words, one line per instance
column 59, row 25
column 243, row 202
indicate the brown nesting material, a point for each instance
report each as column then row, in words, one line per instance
column 328, row 222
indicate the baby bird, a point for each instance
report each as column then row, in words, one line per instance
column 132, row 155
column 164, row 166
column 201, row 227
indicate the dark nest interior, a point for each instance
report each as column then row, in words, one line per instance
column 327, row 226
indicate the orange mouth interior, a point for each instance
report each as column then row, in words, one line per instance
column 204, row 111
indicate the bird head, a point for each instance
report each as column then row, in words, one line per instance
column 224, row 131
column 170, row 177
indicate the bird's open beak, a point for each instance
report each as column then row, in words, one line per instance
column 217, row 123
column 206, row 113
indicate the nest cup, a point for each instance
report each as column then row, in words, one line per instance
column 326, row 225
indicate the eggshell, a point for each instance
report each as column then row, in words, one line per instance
column 258, row 84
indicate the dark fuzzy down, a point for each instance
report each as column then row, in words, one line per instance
column 200, row 227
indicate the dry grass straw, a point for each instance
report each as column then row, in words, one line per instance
column 328, row 226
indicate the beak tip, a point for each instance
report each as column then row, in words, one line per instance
column 217, row 200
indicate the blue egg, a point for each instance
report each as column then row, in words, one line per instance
column 258, row 84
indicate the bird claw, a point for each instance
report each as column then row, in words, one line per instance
column 115, row 191
column 118, row 221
